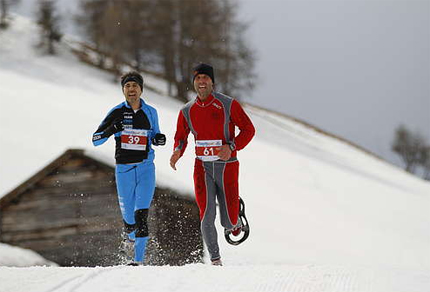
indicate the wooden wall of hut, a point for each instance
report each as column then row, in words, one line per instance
column 69, row 213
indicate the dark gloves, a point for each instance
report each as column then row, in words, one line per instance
column 159, row 139
column 115, row 127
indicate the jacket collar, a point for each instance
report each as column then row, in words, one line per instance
column 142, row 104
column 207, row 101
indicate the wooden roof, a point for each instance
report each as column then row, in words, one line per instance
column 61, row 160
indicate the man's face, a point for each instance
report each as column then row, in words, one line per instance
column 203, row 85
column 132, row 92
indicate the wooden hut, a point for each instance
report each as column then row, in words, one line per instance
column 68, row 212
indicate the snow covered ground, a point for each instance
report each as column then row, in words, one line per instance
column 325, row 216
column 199, row 277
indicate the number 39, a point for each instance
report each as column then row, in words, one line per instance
column 133, row 140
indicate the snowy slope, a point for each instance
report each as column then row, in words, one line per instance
column 325, row 216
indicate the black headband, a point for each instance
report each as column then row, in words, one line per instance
column 132, row 78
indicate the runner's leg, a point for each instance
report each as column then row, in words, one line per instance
column 144, row 194
column 226, row 177
column 126, row 184
column 205, row 190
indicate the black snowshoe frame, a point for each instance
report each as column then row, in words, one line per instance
column 245, row 227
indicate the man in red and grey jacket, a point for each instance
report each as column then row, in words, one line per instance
column 212, row 118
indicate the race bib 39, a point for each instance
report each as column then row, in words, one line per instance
column 134, row 139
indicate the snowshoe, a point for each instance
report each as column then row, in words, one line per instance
column 134, row 264
column 126, row 249
column 243, row 229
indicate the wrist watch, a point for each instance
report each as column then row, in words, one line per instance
column 232, row 147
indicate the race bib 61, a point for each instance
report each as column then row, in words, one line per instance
column 208, row 150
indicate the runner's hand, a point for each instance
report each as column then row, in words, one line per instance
column 115, row 127
column 159, row 139
column 225, row 152
column 174, row 158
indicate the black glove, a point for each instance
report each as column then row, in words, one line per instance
column 159, row 139
column 115, row 127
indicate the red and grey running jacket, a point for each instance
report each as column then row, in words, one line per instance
column 213, row 123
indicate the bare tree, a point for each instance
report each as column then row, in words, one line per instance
column 164, row 28
column 114, row 38
column 409, row 146
column 91, row 22
column 205, row 31
column 4, row 12
column 200, row 39
column 48, row 21
column 3, row 21
column 425, row 161
column 170, row 37
column 119, row 30
column 136, row 21
column 237, row 62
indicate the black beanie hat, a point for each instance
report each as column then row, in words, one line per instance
column 204, row 69
column 132, row 76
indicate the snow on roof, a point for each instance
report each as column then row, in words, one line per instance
column 12, row 256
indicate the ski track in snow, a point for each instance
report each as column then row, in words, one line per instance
column 63, row 284
column 86, row 280
column 261, row 278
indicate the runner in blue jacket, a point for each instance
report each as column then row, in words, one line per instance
column 134, row 125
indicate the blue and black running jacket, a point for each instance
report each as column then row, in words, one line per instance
column 146, row 118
